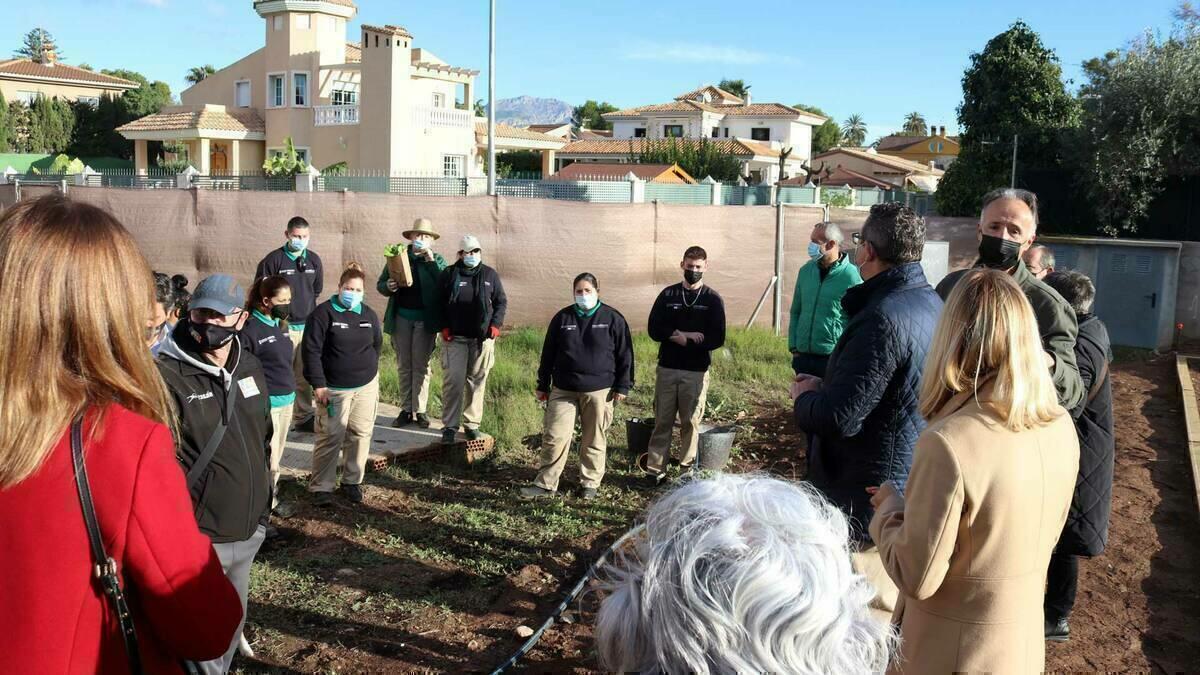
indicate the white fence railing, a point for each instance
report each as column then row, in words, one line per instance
column 425, row 117
column 332, row 115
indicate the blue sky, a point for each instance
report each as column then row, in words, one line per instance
column 878, row 59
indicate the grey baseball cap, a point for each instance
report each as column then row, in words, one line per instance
column 220, row 293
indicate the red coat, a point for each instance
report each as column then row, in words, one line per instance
column 52, row 617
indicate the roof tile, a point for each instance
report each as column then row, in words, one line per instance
column 737, row 146
column 181, row 118
column 63, row 72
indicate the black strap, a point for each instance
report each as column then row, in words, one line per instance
column 1098, row 383
column 210, row 449
column 104, row 568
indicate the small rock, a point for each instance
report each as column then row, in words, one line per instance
column 524, row 632
column 567, row 617
column 474, row 645
column 346, row 572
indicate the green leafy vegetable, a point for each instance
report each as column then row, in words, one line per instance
column 393, row 250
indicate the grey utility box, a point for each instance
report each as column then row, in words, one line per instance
column 1136, row 284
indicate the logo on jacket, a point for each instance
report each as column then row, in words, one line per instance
column 199, row 397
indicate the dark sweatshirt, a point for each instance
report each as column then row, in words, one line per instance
column 587, row 353
column 677, row 309
column 469, row 302
column 233, row 494
column 265, row 338
column 304, row 274
column 341, row 346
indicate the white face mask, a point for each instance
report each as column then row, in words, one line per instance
column 586, row 300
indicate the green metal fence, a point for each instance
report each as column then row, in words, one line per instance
column 797, row 194
column 677, row 193
column 598, row 191
column 868, row 196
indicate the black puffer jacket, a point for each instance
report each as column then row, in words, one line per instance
column 864, row 421
column 1086, row 531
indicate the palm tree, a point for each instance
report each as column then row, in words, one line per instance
column 738, row 88
column 854, row 131
column 198, row 74
column 914, row 124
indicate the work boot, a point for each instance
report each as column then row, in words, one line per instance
column 474, row 434
column 402, row 420
column 422, row 420
column 587, row 494
column 353, row 493
column 655, row 480
column 535, row 492
column 1057, row 631
column 308, row 426
column 323, row 499
column 448, row 436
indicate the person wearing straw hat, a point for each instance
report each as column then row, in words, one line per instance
column 408, row 320
column 470, row 308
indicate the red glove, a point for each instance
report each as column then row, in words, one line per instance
column 446, row 334
column 493, row 332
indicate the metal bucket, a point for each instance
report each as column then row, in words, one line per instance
column 714, row 446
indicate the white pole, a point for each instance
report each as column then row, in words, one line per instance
column 491, row 150
column 1013, row 179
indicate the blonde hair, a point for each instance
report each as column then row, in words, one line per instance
column 988, row 333
column 75, row 294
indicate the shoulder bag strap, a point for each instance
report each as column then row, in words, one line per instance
column 104, row 568
column 1098, row 382
column 210, row 448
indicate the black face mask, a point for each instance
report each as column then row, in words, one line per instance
column 692, row 276
column 211, row 338
column 282, row 312
column 997, row 253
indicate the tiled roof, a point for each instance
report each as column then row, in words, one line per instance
column 506, row 131
column 843, row 176
column 585, row 134
column 543, row 128
column 343, row 3
column 212, row 118
column 353, row 52
column 733, row 109
column 63, row 72
column 389, row 30
column 713, row 92
column 897, row 142
column 604, row 170
column 737, row 146
column 758, row 110
column 890, row 161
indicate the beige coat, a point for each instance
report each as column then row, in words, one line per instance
column 969, row 548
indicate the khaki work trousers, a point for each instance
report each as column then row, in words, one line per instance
column 281, row 422
column 465, row 367
column 304, row 403
column 677, row 394
column 344, row 429
column 413, row 347
column 596, row 410
column 869, row 563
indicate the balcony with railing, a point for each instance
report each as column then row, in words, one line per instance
column 334, row 115
column 425, row 117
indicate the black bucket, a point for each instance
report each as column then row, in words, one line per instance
column 637, row 434
column 714, row 446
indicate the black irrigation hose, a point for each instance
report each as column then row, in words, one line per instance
column 533, row 639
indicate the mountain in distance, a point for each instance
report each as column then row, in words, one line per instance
column 525, row 110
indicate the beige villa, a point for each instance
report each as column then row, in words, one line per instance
column 378, row 103
column 24, row 80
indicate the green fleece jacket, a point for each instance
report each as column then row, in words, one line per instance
column 817, row 317
column 1058, row 327
column 416, row 302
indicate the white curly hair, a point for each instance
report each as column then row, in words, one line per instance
column 740, row 574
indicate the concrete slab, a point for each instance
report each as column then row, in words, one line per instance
column 297, row 455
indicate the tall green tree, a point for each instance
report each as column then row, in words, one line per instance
column 854, row 131
column 699, row 159
column 148, row 98
column 738, row 88
column 825, row 136
column 1014, row 87
column 480, row 109
column 590, row 114
column 6, row 131
column 198, row 74
column 914, row 125
column 38, row 44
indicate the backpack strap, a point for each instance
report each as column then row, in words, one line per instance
column 104, row 568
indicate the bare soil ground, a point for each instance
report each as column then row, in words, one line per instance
column 367, row 590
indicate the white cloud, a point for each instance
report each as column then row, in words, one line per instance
column 689, row 52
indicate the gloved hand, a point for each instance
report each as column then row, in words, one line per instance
column 446, row 334
column 493, row 332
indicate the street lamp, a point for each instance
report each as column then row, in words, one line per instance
column 1013, row 178
column 491, row 150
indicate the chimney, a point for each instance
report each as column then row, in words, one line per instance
column 932, row 164
column 747, row 99
column 942, row 131
column 49, row 57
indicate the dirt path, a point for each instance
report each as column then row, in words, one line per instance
column 1138, row 607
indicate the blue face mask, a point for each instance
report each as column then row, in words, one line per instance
column 350, row 299
column 586, row 301
column 814, row 250
column 420, row 244
column 297, row 244
column 471, row 260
